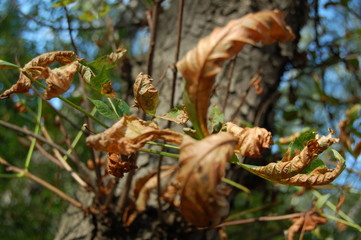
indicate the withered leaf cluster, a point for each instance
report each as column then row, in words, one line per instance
column 129, row 134
column 58, row 80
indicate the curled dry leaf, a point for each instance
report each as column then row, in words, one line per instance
column 108, row 90
column 145, row 94
column 59, row 80
column 144, row 186
column 142, row 191
column 129, row 134
column 319, row 176
column 291, row 165
column 201, row 168
column 120, row 164
column 200, row 66
column 307, row 222
column 38, row 68
column 251, row 141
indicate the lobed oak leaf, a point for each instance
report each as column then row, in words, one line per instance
column 129, row 134
column 145, row 94
column 200, row 66
column 251, row 141
column 201, row 167
column 38, row 68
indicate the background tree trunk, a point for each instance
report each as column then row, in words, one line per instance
column 200, row 18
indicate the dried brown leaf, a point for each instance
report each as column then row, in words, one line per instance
column 120, row 164
column 38, row 68
column 340, row 202
column 142, row 193
column 200, row 66
column 108, row 90
column 307, row 222
column 59, row 80
column 286, row 168
column 129, row 134
column 145, row 94
column 117, row 55
column 251, row 141
column 201, row 168
column 319, row 176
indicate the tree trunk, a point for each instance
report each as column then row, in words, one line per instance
column 200, row 18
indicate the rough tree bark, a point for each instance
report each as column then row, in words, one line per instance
column 200, row 18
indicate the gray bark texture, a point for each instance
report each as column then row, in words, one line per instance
column 200, row 18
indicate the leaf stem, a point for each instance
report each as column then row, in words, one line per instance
column 351, row 224
column 163, row 145
column 166, row 154
column 73, row 105
column 47, row 185
column 237, row 185
column 36, row 131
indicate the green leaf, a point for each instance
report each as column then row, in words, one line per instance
column 217, row 118
column 104, row 109
column 7, row 65
column 317, row 163
column 100, row 79
column 122, row 107
column 192, row 114
column 62, row 3
column 108, row 61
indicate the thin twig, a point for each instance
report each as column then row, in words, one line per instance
column 243, row 97
column 260, row 219
column 123, row 199
column 229, row 80
column 40, row 138
column 47, row 185
column 48, row 155
column 70, row 30
column 153, row 36
column 74, row 125
column 176, row 55
column 169, row 124
column 94, row 154
column 66, row 166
